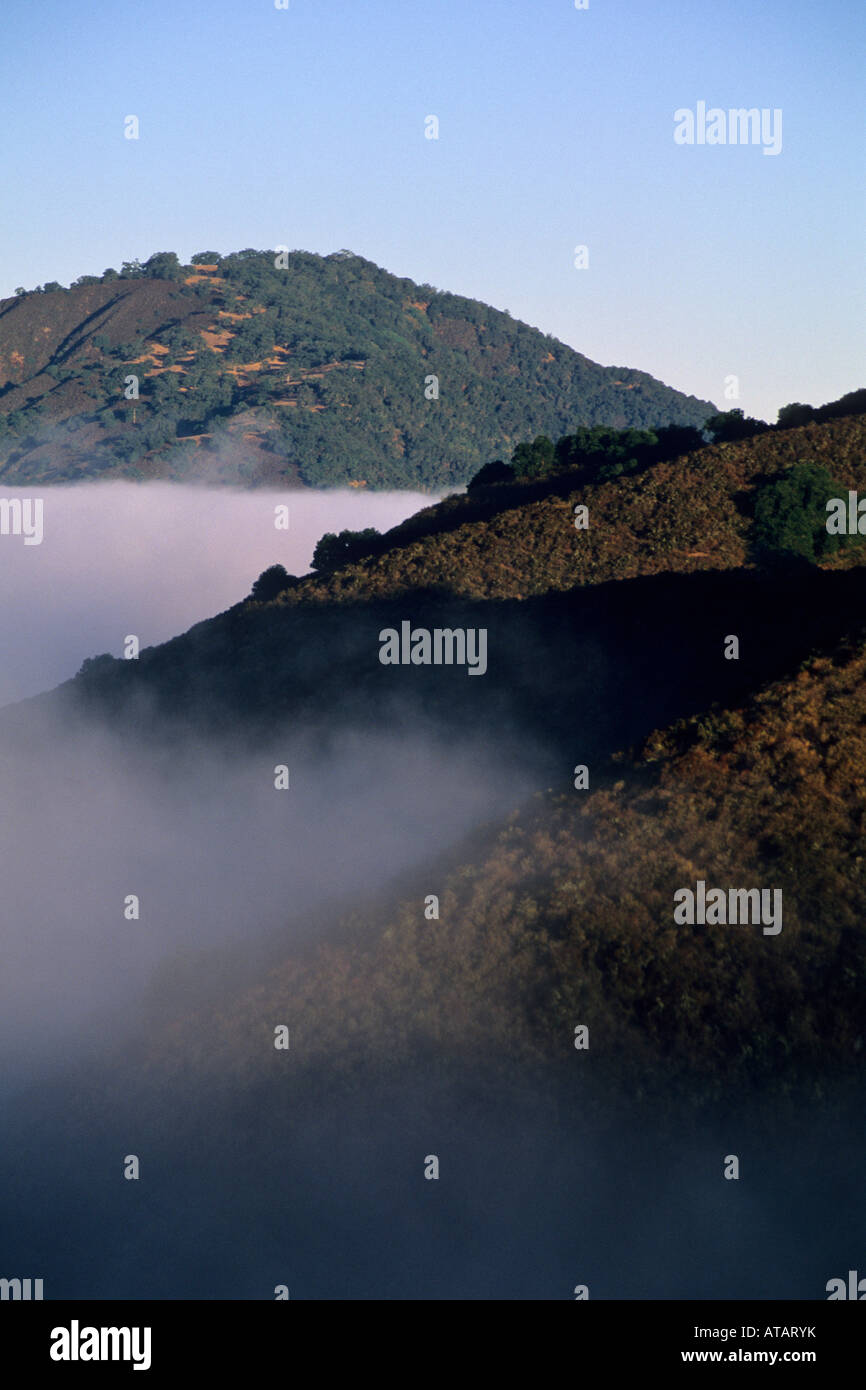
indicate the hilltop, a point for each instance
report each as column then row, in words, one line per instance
column 315, row 372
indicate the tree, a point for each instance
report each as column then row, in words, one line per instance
column 674, row 440
column 162, row 265
column 205, row 258
column 791, row 514
column 794, row 414
column 96, row 665
column 533, row 460
column 490, row 474
column 333, row 551
column 165, row 392
column 51, row 286
column 254, row 339
column 732, row 425
column 606, row 453
column 271, row 582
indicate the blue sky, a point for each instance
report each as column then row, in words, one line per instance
column 305, row 127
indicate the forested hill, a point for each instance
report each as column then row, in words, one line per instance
column 289, row 369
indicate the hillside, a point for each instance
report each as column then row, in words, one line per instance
column 454, row 1034
column 691, row 513
column 667, row 565
column 315, row 373
column 735, row 772
column 599, row 642
column 564, row 915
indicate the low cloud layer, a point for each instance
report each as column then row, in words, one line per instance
column 214, row 853
column 151, row 559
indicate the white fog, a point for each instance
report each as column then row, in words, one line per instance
column 151, row 559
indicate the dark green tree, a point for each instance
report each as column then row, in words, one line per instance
column 271, row 582
column 794, row 414
column 162, row 265
column 732, row 425
column 791, row 514
column 491, row 473
column 96, row 665
column 533, row 460
column 334, row 551
column 674, row 440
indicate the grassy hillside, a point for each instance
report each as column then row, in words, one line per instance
column 315, row 372
column 564, row 916
column 679, row 516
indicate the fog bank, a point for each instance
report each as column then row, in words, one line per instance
column 151, row 559
column 213, row 853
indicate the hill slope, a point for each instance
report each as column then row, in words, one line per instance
column 315, row 373
column 564, row 915
column 683, row 515
column 746, row 773
column 666, row 568
column 454, row 1035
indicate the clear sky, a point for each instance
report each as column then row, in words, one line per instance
column 305, row 127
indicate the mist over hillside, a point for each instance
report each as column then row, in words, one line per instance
column 117, row 558
column 433, row 882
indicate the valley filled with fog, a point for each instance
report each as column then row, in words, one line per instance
column 152, row 559
column 161, row 895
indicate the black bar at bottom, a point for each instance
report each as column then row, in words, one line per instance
column 172, row 1338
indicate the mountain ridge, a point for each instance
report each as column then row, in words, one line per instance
column 317, row 373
